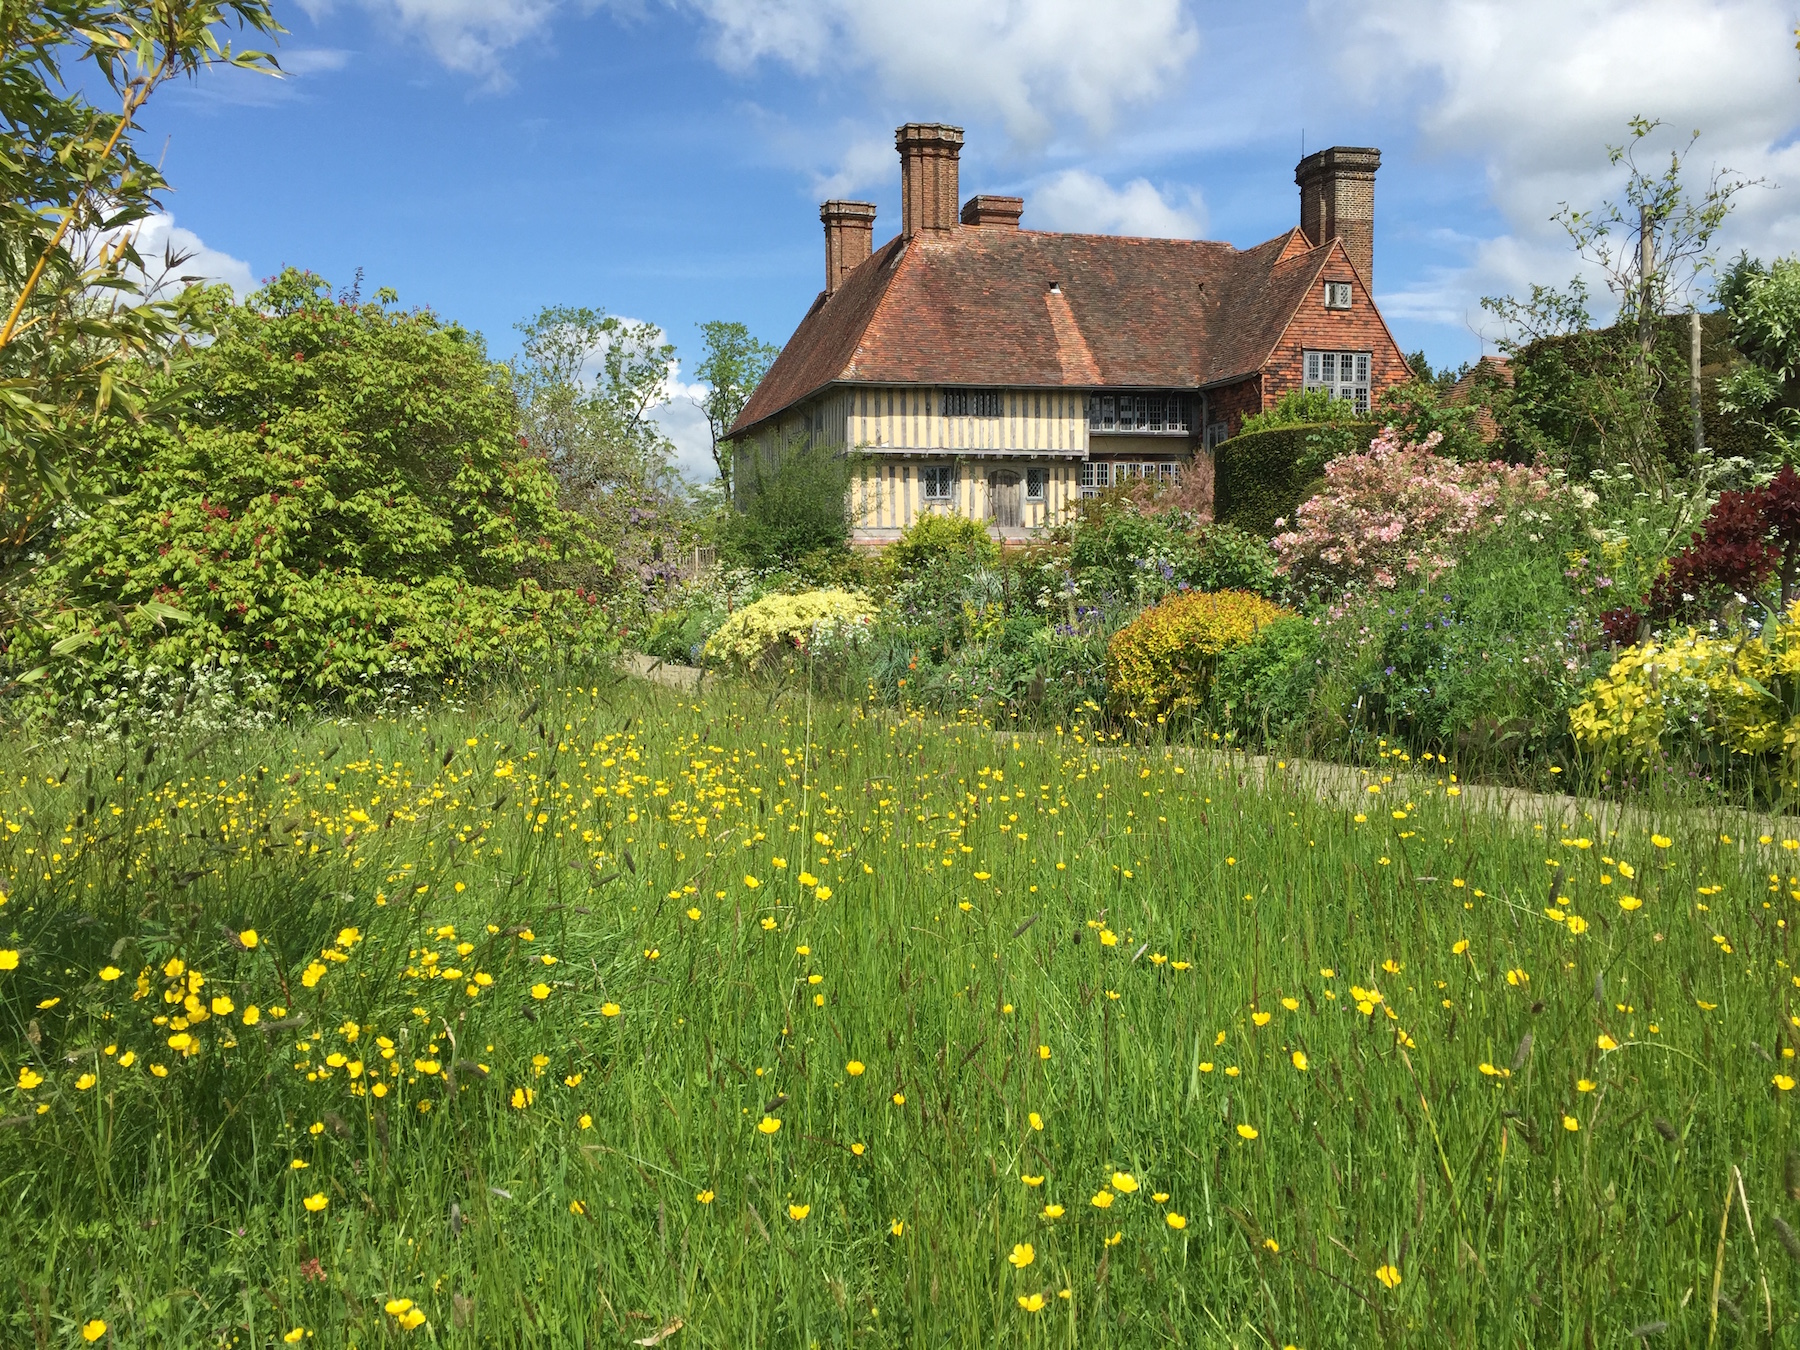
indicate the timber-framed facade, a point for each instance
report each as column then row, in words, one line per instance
column 1003, row 374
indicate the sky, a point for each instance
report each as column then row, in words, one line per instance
column 664, row 159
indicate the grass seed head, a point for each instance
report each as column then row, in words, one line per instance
column 1788, row 1240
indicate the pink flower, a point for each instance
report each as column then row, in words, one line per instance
column 1398, row 509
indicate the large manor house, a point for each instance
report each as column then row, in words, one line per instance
column 1003, row 374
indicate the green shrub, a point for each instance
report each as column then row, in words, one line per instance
column 1485, row 661
column 1262, row 691
column 679, row 635
column 344, row 503
column 779, row 624
column 1118, row 553
column 941, row 535
column 1577, row 402
column 1225, row 558
column 797, row 506
column 1161, row 664
column 1016, row 668
column 1260, row 477
column 1301, row 408
column 1416, row 410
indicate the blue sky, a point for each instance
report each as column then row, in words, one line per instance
column 664, row 160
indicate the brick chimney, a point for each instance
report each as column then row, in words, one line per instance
column 1337, row 201
column 928, row 166
column 849, row 236
column 993, row 213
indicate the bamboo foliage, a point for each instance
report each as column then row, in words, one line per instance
column 87, row 318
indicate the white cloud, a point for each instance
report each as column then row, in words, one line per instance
column 1031, row 63
column 175, row 256
column 1081, row 201
column 868, row 161
column 312, row 60
column 1542, row 83
column 1536, row 89
column 471, row 37
column 685, row 425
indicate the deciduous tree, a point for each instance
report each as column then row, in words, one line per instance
column 733, row 365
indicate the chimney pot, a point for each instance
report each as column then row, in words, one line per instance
column 1337, row 201
column 929, row 152
column 993, row 213
column 849, row 238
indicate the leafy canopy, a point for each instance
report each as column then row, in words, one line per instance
column 76, row 344
column 588, row 382
column 1302, row 408
column 345, row 502
column 733, row 365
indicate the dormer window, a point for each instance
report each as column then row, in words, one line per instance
column 1337, row 295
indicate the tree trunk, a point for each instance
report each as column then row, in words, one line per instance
column 1646, row 287
column 1694, row 380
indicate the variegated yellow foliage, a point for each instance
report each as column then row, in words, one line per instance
column 1162, row 662
column 790, row 621
column 1723, row 691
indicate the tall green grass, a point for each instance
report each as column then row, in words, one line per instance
column 1017, row 930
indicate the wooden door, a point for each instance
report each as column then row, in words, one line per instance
column 1003, row 499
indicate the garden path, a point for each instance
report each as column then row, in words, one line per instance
column 1346, row 785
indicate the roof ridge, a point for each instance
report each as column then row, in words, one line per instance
column 1119, row 238
column 969, row 307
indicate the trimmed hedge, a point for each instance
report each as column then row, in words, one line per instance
column 1263, row 475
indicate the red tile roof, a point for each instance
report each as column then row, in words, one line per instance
column 975, row 307
column 1473, row 387
column 1486, row 370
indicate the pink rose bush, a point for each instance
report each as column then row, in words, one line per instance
column 1399, row 510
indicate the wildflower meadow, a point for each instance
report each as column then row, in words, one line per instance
column 600, row 1014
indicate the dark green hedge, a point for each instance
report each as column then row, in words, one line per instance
column 1264, row 475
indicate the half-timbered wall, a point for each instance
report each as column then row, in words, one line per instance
column 898, row 432
column 1052, row 421
column 887, row 494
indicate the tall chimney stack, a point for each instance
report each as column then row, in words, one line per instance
column 928, row 176
column 849, row 237
column 1337, row 201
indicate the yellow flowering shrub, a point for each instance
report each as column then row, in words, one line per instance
column 1714, row 691
column 800, row 622
column 1162, row 662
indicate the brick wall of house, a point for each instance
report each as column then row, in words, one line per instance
column 1315, row 328
column 1232, row 403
